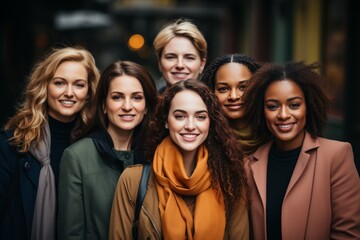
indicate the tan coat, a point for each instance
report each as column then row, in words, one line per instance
column 322, row 200
column 123, row 208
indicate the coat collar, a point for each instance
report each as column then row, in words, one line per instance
column 304, row 169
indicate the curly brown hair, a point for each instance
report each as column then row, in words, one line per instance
column 225, row 157
column 312, row 84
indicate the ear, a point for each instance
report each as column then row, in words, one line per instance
column 159, row 64
column 202, row 65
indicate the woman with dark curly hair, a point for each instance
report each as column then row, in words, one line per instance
column 228, row 77
column 197, row 186
column 303, row 186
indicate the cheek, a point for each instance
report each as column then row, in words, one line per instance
column 82, row 94
column 221, row 97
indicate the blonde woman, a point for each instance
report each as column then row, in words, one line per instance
column 181, row 50
column 57, row 105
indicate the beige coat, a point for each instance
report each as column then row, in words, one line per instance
column 123, row 208
column 322, row 200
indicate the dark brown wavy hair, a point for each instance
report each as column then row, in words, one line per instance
column 225, row 157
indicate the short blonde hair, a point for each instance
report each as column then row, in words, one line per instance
column 27, row 123
column 180, row 28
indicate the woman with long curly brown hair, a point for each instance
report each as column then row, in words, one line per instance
column 197, row 186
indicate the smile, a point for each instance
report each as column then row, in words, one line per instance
column 67, row 102
column 285, row 127
column 189, row 137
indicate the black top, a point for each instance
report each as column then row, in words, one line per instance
column 281, row 165
column 60, row 139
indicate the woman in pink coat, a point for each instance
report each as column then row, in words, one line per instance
column 303, row 186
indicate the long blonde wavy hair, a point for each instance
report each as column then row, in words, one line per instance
column 32, row 114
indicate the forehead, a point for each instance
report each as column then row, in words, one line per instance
column 283, row 89
column 233, row 71
column 188, row 101
column 180, row 45
column 125, row 83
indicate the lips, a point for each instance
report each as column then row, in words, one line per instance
column 127, row 117
column 180, row 75
column 285, row 127
column 234, row 107
column 67, row 103
column 189, row 137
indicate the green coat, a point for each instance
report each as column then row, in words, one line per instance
column 87, row 184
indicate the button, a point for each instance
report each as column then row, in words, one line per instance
column 27, row 166
column 127, row 155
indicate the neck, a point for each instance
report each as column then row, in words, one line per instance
column 121, row 140
column 238, row 124
column 189, row 161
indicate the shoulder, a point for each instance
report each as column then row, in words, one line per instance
column 131, row 174
column 333, row 146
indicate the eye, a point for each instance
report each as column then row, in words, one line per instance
column 80, row 85
column 295, row 105
column 116, row 97
column 190, row 57
column 271, row 107
column 179, row 116
column 138, row 97
column 222, row 89
column 201, row 117
column 59, row 82
column 242, row 87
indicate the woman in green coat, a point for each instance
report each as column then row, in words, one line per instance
column 125, row 99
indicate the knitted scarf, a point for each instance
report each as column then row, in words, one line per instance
column 172, row 183
column 43, row 226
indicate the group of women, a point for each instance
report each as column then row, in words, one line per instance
column 236, row 150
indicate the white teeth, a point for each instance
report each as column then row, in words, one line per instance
column 285, row 126
column 68, row 102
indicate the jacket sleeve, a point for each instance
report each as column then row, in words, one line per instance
column 7, row 168
column 122, row 212
column 71, row 219
column 237, row 226
column 345, row 195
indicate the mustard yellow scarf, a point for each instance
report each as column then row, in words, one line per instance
column 248, row 142
column 172, row 182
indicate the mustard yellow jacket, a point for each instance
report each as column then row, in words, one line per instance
column 122, row 213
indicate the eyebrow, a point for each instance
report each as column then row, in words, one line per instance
column 183, row 111
column 288, row 100
column 225, row 83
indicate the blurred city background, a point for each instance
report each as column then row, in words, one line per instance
column 324, row 31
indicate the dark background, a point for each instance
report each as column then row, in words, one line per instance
column 268, row 30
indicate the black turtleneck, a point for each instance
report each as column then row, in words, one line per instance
column 60, row 139
column 281, row 165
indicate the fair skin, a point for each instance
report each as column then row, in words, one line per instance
column 125, row 108
column 180, row 60
column 285, row 113
column 188, row 123
column 230, row 84
column 67, row 91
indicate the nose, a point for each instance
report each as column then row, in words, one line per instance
column 69, row 91
column 190, row 125
column 180, row 63
column 234, row 95
column 283, row 113
column 126, row 106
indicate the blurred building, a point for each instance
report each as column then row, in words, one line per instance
column 268, row 30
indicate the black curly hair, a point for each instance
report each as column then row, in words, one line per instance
column 209, row 74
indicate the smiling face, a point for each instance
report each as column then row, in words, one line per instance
column 125, row 105
column 285, row 113
column 230, row 83
column 188, row 122
column 67, row 91
column 180, row 60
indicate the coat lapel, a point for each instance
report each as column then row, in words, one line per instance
column 259, row 170
column 296, row 204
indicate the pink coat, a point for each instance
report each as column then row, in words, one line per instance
column 322, row 200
